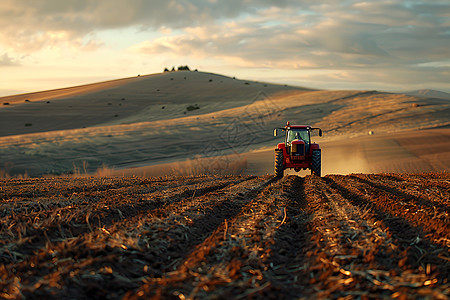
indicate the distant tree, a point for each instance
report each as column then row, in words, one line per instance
column 166, row 70
column 173, row 69
column 183, row 68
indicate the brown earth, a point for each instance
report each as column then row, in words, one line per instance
column 348, row 237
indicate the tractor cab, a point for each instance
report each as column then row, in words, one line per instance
column 297, row 134
column 297, row 141
column 297, row 151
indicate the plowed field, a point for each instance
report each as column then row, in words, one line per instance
column 355, row 236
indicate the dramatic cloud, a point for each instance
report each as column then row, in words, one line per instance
column 359, row 41
column 374, row 28
column 392, row 41
column 306, row 41
column 27, row 25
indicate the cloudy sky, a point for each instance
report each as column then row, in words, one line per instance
column 389, row 45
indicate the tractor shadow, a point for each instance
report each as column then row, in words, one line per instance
column 288, row 251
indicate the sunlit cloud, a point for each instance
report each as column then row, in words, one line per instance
column 370, row 41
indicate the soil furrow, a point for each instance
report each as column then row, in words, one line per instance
column 417, row 251
column 48, row 187
column 359, row 236
column 371, row 253
column 330, row 252
column 24, row 234
column 166, row 240
column 233, row 245
column 435, row 190
column 42, row 194
column 412, row 191
column 291, row 242
column 198, row 202
column 434, row 224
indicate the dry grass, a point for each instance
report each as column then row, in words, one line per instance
column 104, row 171
column 5, row 173
column 223, row 165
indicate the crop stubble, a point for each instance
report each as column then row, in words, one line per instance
column 355, row 236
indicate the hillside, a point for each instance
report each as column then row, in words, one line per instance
column 164, row 96
column 365, row 236
column 427, row 93
column 176, row 120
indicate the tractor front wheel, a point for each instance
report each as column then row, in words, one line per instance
column 316, row 164
column 279, row 166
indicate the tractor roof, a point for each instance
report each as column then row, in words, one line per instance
column 289, row 126
column 298, row 127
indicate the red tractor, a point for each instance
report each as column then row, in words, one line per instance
column 297, row 151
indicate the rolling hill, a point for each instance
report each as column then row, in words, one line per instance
column 176, row 120
column 427, row 93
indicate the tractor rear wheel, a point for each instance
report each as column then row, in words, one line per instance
column 316, row 164
column 279, row 166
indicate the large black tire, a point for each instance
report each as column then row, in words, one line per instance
column 279, row 166
column 316, row 164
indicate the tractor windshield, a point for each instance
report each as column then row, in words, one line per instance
column 294, row 134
